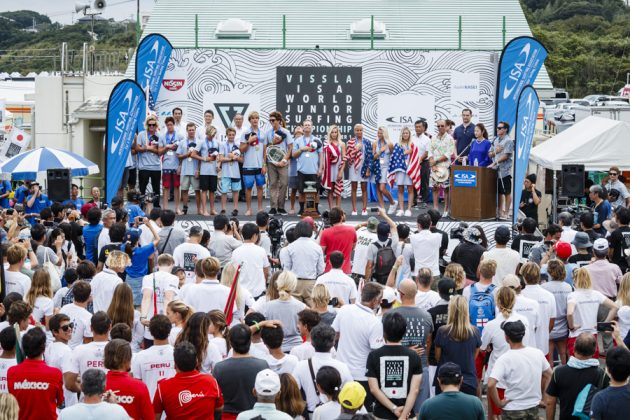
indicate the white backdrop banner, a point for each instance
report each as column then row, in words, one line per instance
column 226, row 105
column 403, row 110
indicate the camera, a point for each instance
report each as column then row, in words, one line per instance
column 275, row 231
column 326, row 220
column 334, row 302
column 19, row 208
column 458, row 232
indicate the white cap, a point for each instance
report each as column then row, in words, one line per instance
column 267, row 383
column 600, row 244
column 389, row 295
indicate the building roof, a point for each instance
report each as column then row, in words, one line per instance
column 411, row 24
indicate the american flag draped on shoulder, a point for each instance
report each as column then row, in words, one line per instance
column 397, row 164
column 231, row 301
column 353, row 157
column 369, row 163
column 332, row 155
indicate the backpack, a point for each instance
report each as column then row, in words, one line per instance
column 385, row 259
column 582, row 406
column 482, row 306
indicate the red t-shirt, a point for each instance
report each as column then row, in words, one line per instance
column 37, row 387
column 188, row 395
column 133, row 395
column 339, row 238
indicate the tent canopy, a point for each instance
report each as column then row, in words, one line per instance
column 595, row 142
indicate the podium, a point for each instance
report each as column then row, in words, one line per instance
column 473, row 193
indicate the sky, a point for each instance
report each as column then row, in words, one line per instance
column 62, row 11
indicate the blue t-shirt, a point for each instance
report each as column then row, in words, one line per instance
column 189, row 165
column 170, row 161
column 133, row 210
column 20, row 194
column 307, row 162
column 601, row 213
column 229, row 169
column 38, row 205
column 206, row 148
column 139, row 260
column 78, row 203
column 148, row 161
column 253, row 156
column 90, row 236
column 612, row 403
column 5, row 187
column 479, row 153
column 463, row 136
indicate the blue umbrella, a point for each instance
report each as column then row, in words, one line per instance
column 30, row 164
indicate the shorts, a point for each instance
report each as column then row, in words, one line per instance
column 302, row 178
column 253, row 175
column 505, row 187
column 208, row 183
column 480, row 362
column 188, row 181
column 170, row 180
column 230, row 184
column 496, row 410
column 293, row 182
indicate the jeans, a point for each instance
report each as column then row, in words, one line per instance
column 136, row 286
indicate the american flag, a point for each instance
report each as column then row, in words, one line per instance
column 150, row 105
column 396, row 164
column 413, row 167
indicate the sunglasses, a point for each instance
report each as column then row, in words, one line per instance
column 272, row 120
column 67, row 327
column 152, row 125
column 500, row 128
column 613, row 173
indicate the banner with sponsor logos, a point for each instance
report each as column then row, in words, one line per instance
column 125, row 113
column 403, row 110
column 521, row 60
column 152, row 57
column 526, row 114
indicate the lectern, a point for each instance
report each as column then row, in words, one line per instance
column 473, row 193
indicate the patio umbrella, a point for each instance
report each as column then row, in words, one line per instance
column 30, row 164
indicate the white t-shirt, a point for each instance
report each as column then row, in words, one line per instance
column 207, row 296
column 306, row 350
column 81, row 319
column 252, row 276
column 495, row 336
column 360, row 258
column 103, row 285
column 587, row 303
column 356, row 343
column 507, row 260
column 5, row 364
column 59, row 295
column 164, row 282
column 213, row 356
column 521, row 371
column 17, row 282
column 103, row 239
column 623, row 318
column 547, row 311
column 480, row 289
column 530, row 309
column 152, row 365
column 185, row 256
column 339, row 285
column 285, row 365
column 220, row 343
column 426, row 251
column 102, row 410
column 57, row 355
column 87, row 356
column 427, row 300
column 172, row 337
column 146, row 237
column 43, row 307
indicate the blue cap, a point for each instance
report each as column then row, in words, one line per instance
column 132, row 235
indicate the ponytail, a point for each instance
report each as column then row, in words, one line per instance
column 505, row 298
column 217, row 318
column 286, row 283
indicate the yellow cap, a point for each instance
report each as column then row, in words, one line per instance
column 352, row 395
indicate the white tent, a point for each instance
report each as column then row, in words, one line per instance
column 595, row 142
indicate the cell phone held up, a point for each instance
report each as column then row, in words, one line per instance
column 604, row 327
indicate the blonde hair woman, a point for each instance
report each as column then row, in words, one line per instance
column 320, row 297
column 104, row 283
column 458, row 342
column 39, row 296
column 623, row 301
column 382, row 150
column 493, row 337
column 9, row 408
column 121, row 310
column 285, row 309
column 243, row 297
column 456, row 272
column 402, row 179
column 334, row 157
column 560, row 290
column 178, row 313
column 582, row 307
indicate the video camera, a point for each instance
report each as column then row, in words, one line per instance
column 458, row 232
column 275, row 231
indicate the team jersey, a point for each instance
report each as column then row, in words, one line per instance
column 152, row 365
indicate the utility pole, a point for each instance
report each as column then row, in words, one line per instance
column 137, row 22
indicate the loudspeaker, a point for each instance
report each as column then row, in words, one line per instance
column 59, row 183
column 573, row 181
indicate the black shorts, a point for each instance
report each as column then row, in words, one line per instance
column 504, row 185
column 208, row 183
column 302, row 178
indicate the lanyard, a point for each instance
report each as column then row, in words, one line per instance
column 170, row 141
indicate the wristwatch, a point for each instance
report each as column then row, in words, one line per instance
column 393, row 408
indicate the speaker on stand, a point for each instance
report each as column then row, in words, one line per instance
column 573, row 181
column 59, row 183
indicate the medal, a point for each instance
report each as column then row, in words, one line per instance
column 257, row 147
column 308, row 155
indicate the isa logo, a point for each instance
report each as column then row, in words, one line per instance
column 464, row 178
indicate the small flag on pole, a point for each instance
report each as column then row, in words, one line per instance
column 229, row 305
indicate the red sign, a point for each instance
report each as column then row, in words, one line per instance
column 173, row 84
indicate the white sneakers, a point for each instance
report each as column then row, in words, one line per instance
column 407, row 213
column 399, row 213
column 364, row 212
column 392, row 207
column 354, row 213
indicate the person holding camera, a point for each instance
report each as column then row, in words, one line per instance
column 310, row 165
column 530, row 197
column 279, row 136
column 225, row 240
column 148, row 151
column 253, row 147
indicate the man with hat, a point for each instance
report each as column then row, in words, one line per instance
column 36, row 202
column 530, row 197
column 266, row 387
column 351, row 398
column 439, row 317
column 524, row 371
column 468, row 252
column 583, row 245
column 507, row 259
column 366, row 234
column 381, row 256
column 526, row 240
column 562, row 251
column 605, row 275
column 451, row 403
